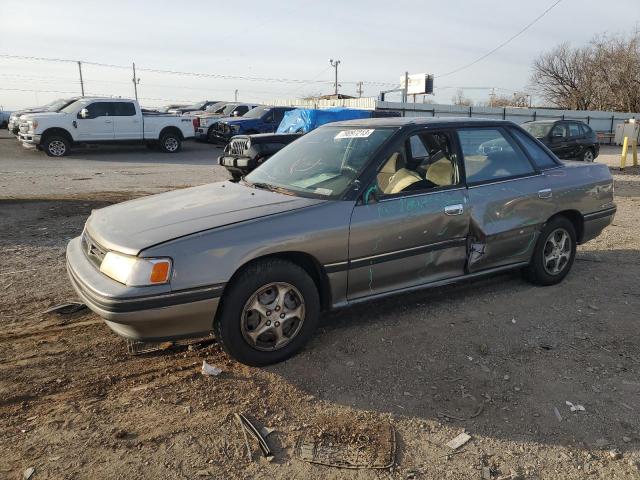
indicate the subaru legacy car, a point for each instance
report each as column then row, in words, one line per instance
column 350, row 212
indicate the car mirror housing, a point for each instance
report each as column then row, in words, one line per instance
column 84, row 113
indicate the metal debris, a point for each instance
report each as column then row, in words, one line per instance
column 459, row 441
column 66, row 308
column 28, row 473
column 557, row 412
column 249, row 428
column 211, row 370
column 575, row 408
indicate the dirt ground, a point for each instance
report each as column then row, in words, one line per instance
column 497, row 358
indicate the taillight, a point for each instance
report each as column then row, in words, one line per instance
column 196, row 122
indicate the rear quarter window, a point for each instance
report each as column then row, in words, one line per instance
column 540, row 158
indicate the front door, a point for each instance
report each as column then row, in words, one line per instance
column 560, row 143
column 509, row 198
column 411, row 226
column 127, row 124
column 98, row 125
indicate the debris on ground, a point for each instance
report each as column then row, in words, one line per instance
column 210, row 370
column 28, row 473
column 248, row 427
column 459, row 441
column 557, row 412
column 575, row 408
column 66, row 308
column 615, row 454
column 348, row 441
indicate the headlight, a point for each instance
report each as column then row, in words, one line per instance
column 135, row 271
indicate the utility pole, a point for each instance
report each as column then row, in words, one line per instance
column 81, row 82
column 335, row 64
column 406, row 87
column 492, row 96
column 136, row 81
column 235, row 95
column 359, row 90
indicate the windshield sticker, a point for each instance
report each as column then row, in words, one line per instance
column 359, row 133
column 323, row 191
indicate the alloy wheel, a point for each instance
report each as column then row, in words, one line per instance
column 273, row 316
column 588, row 156
column 171, row 144
column 557, row 251
column 57, row 148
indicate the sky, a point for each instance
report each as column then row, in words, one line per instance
column 281, row 49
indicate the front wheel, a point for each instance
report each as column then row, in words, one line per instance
column 170, row 143
column 268, row 313
column 554, row 253
column 588, row 155
column 56, row 146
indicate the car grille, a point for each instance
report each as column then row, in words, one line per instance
column 237, row 146
column 94, row 252
column 24, row 128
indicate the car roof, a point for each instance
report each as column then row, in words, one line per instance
column 424, row 121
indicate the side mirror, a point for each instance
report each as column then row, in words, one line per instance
column 84, row 113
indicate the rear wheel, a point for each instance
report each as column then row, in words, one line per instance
column 554, row 253
column 56, row 146
column 170, row 142
column 588, row 155
column 268, row 313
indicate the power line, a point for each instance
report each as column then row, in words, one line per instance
column 182, row 73
column 479, row 59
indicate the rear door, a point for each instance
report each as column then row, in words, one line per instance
column 98, row 125
column 126, row 121
column 509, row 198
column 412, row 225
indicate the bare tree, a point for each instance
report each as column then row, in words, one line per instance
column 603, row 75
column 518, row 99
column 460, row 99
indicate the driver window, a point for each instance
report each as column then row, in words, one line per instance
column 559, row 131
column 99, row 109
column 425, row 161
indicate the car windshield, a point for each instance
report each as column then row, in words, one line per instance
column 538, row 130
column 322, row 163
column 256, row 112
column 229, row 108
column 215, row 107
column 56, row 105
column 73, row 105
column 195, row 106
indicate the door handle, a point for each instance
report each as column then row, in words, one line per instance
column 545, row 193
column 454, row 209
column 107, row 121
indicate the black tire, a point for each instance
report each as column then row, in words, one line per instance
column 170, row 142
column 56, row 146
column 588, row 155
column 536, row 272
column 210, row 137
column 228, row 329
column 236, row 177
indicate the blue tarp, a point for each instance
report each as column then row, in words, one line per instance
column 306, row 119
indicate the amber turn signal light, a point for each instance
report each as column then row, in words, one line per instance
column 160, row 271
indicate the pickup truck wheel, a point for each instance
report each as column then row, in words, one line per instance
column 588, row 155
column 268, row 313
column 553, row 254
column 56, row 146
column 170, row 143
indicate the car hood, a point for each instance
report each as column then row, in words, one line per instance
column 132, row 226
column 30, row 115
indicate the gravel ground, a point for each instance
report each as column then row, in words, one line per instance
column 495, row 357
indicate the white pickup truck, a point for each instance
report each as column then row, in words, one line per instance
column 103, row 121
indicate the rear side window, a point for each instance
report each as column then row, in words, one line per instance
column 574, row 130
column 279, row 115
column 124, row 109
column 490, row 156
column 586, row 129
column 540, row 158
column 100, row 109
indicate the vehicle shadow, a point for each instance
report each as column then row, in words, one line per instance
column 496, row 356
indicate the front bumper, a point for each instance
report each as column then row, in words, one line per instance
column 142, row 313
column 201, row 133
column 29, row 139
column 239, row 165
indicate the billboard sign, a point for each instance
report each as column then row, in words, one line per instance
column 419, row 84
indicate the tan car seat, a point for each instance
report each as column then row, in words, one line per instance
column 388, row 170
column 440, row 172
column 401, row 180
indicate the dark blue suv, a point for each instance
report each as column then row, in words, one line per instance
column 257, row 120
